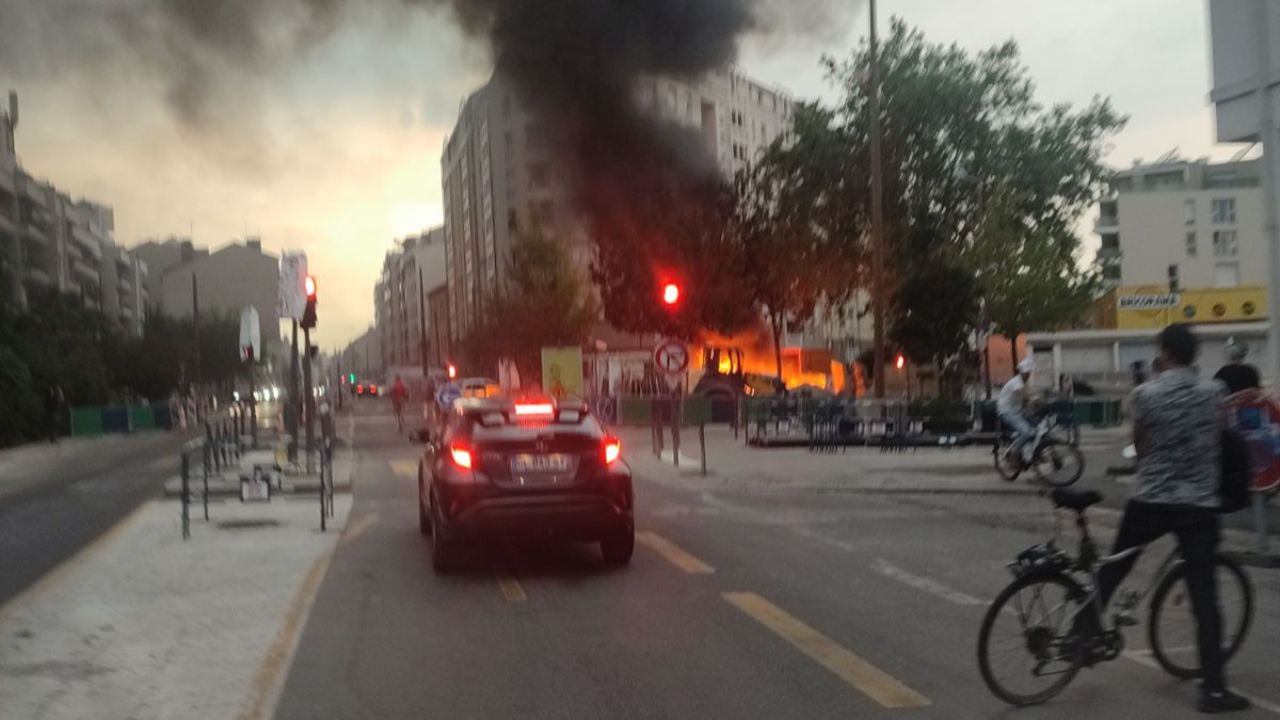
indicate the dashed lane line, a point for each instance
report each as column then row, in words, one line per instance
column 933, row 587
column 673, row 553
column 405, row 468
column 862, row 675
column 359, row 527
column 511, row 589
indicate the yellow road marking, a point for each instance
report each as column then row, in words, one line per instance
column 59, row 572
column 357, row 528
column 405, row 468
column 511, row 589
column 870, row 680
column 673, row 554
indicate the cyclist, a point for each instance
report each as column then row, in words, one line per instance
column 398, row 395
column 1237, row 375
column 1012, row 408
column 1177, row 426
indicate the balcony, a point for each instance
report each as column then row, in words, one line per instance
column 1106, row 223
column 84, row 271
column 1109, row 251
column 87, row 242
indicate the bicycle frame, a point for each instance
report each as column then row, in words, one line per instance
column 1088, row 563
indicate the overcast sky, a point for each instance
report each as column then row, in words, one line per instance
column 337, row 153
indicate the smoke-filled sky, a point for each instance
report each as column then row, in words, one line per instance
column 318, row 124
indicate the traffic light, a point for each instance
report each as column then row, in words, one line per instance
column 670, row 294
column 309, row 313
column 351, row 378
column 900, row 362
column 453, row 371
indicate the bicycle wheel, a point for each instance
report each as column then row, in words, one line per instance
column 1025, row 649
column 1171, row 625
column 1006, row 471
column 1058, row 463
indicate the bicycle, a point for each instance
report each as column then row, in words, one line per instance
column 1063, row 587
column 1054, row 460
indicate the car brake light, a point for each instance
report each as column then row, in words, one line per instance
column 536, row 410
column 461, row 457
column 612, row 450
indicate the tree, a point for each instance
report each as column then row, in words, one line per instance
column 937, row 309
column 545, row 302
column 978, row 175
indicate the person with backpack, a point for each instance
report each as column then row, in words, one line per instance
column 1178, row 430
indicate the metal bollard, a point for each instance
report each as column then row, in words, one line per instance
column 702, row 442
column 675, row 431
column 205, row 496
column 186, row 496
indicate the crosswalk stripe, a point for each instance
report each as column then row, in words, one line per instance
column 867, row 678
column 511, row 589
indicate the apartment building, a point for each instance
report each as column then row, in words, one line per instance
column 50, row 241
column 1184, row 224
column 413, row 270
column 228, row 279
column 499, row 171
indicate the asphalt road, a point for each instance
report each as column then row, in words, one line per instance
column 51, row 508
column 738, row 604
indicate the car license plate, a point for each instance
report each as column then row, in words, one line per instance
column 540, row 463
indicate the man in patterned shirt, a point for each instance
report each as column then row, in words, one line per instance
column 1177, row 427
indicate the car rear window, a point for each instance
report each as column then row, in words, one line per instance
column 587, row 427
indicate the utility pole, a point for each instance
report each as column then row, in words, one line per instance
column 309, row 397
column 292, row 414
column 422, row 323
column 195, row 324
column 1267, row 135
column 877, row 210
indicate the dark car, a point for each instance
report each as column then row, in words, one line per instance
column 532, row 468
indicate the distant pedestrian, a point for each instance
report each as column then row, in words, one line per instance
column 53, row 402
column 1237, row 375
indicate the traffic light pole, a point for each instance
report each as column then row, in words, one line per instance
column 291, row 417
column 309, row 400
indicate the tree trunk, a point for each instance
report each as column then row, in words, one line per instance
column 1013, row 353
column 775, row 325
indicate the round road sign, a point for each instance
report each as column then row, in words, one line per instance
column 671, row 357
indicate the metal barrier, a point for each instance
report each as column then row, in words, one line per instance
column 189, row 449
column 325, row 444
column 667, row 412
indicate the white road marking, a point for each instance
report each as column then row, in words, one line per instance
column 933, row 587
column 1147, row 661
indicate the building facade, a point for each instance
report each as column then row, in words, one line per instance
column 402, row 318
column 50, row 241
column 227, row 280
column 1184, row 224
column 363, row 358
column 500, row 173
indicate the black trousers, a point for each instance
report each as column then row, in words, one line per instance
column 1198, row 534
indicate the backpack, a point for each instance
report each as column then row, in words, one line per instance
column 1237, row 472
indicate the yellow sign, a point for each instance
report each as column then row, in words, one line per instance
column 1138, row 307
column 562, row 372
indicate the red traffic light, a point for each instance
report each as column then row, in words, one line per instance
column 670, row 294
column 901, row 362
column 310, row 286
column 453, row 371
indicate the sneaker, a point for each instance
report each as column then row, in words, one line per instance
column 1218, row 701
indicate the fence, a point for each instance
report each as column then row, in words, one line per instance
column 221, row 445
column 87, row 421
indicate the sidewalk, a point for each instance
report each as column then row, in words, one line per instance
column 141, row 625
column 732, row 464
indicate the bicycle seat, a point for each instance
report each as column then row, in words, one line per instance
column 1076, row 500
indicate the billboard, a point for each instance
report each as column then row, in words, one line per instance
column 292, row 293
column 562, row 372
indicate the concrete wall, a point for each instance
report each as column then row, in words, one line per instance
column 229, row 280
column 1153, row 230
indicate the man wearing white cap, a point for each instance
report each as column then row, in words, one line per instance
column 1011, row 405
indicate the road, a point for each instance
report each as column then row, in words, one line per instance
column 739, row 603
column 55, row 503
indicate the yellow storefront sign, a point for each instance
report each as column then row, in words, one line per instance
column 1140, row 307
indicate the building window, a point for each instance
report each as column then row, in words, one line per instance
column 1224, row 211
column 1225, row 243
column 1227, row 275
column 1111, row 272
column 1189, row 212
column 1191, row 244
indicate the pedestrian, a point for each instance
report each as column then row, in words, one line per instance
column 53, row 402
column 1178, row 420
column 1237, row 375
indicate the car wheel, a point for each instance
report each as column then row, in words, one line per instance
column 441, row 552
column 618, row 547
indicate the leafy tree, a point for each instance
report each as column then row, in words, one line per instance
column 546, row 302
column 937, row 309
column 978, row 175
